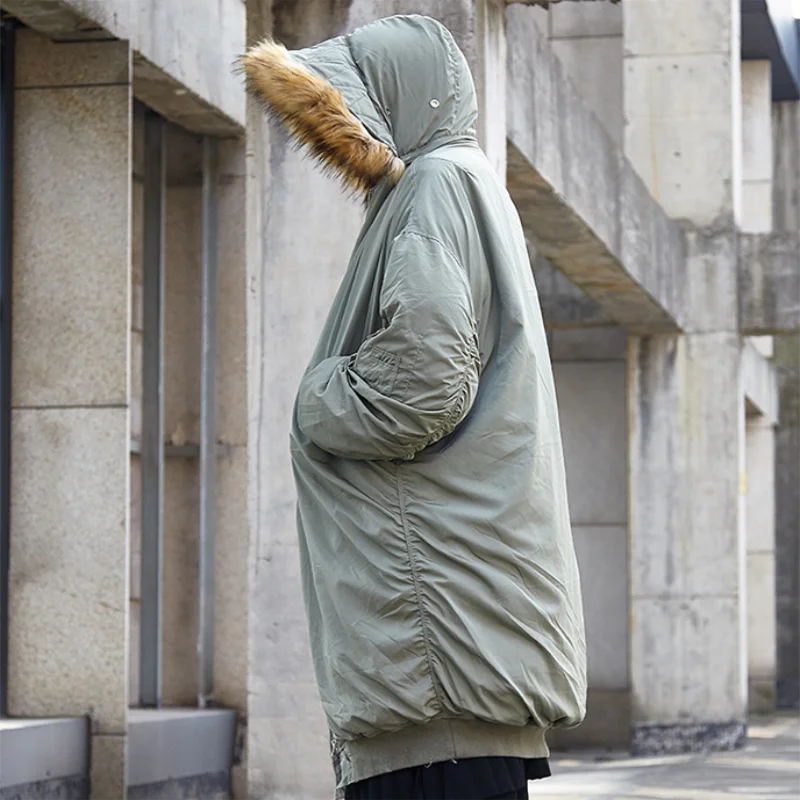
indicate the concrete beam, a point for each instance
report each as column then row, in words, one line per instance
column 760, row 384
column 769, row 283
column 580, row 201
column 564, row 305
column 55, row 19
column 192, row 89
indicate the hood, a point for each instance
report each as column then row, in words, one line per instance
column 368, row 103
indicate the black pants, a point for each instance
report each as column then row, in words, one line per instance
column 486, row 778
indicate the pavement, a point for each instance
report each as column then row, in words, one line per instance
column 767, row 768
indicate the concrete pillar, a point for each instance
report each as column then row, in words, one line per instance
column 787, row 522
column 688, row 621
column 760, row 525
column 587, row 37
column 589, row 369
column 756, row 216
column 786, row 132
column 489, row 70
column 70, row 419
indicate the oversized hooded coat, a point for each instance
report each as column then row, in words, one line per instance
column 438, row 567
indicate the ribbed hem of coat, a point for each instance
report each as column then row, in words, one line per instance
column 440, row 740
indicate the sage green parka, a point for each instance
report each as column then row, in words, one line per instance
column 438, row 567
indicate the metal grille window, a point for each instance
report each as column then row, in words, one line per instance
column 153, row 448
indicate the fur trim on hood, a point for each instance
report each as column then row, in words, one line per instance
column 318, row 117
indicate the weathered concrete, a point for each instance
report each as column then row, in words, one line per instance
column 587, row 38
column 769, row 282
column 68, row 632
column 686, row 447
column 786, row 199
column 183, row 60
column 760, row 537
column 760, row 384
column 564, row 305
column 688, row 665
column 598, row 225
column 787, row 521
column 72, row 788
column 757, row 158
column 56, row 19
column 786, row 168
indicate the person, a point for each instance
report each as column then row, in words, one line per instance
column 438, row 567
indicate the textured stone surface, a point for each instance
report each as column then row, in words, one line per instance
column 678, row 28
column 769, row 282
column 757, row 155
column 688, row 663
column 592, row 408
column 183, row 63
column 565, row 306
column 76, row 788
column 598, row 344
column 43, row 63
column 654, row 740
column 231, row 595
column 607, row 725
column 688, row 656
column 231, row 310
column 760, row 384
column 71, row 277
column 787, row 521
column 786, row 166
column 214, row 786
column 594, row 64
column 585, row 20
column 760, row 485
column 599, row 226
column 685, row 407
column 673, row 106
column 108, row 772
column 761, row 615
column 603, row 561
column 200, row 62
column 69, row 567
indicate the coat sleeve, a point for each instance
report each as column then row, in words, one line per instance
column 412, row 382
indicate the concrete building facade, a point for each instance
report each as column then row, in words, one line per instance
column 168, row 260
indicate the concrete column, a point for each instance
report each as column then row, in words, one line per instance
column 786, row 131
column 589, row 369
column 787, row 522
column 688, row 614
column 760, row 525
column 756, row 216
column 587, row 37
column 70, row 420
column 489, row 69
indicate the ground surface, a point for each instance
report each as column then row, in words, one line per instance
column 768, row 768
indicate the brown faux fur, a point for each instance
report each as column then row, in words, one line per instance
column 316, row 114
